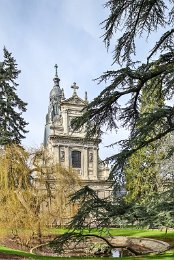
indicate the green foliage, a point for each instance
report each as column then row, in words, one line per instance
column 136, row 98
column 20, row 200
column 120, row 100
column 34, row 191
column 155, row 212
column 161, row 209
column 142, row 172
column 134, row 19
column 94, row 211
column 12, row 124
column 166, row 169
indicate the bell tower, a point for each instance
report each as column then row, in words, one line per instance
column 54, row 105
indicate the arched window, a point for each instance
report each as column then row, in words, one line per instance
column 76, row 159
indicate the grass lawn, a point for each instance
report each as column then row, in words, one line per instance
column 156, row 234
column 134, row 232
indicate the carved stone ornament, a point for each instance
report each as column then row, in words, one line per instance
column 58, row 121
column 74, row 100
column 90, row 157
column 62, row 156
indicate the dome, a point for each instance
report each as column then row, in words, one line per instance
column 55, row 92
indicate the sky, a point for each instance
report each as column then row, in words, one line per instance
column 42, row 33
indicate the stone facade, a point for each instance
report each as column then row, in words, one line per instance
column 69, row 147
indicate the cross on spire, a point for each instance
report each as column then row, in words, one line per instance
column 75, row 87
column 56, row 78
column 56, row 67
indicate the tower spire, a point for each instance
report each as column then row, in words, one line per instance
column 86, row 96
column 56, row 78
column 56, row 67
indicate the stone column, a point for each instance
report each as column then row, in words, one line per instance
column 67, row 157
column 85, row 163
column 95, row 163
column 57, row 153
column 65, row 121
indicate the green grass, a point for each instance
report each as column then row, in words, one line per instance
column 134, row 232
column 142, row 233
column 156, row 234
column 25, row 254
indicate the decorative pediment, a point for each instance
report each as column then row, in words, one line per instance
column 75, row 100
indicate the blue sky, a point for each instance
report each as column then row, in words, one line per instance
column 40, row 33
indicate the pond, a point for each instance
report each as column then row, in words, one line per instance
column 101, row 250
column 120, row 247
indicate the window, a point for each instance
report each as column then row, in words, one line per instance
column 76, row 159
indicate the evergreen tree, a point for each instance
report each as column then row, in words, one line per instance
column 120, row 100
column 166, row 165
column 142, row 172
column 12, row 124
column 161, row 209
column 134, row 19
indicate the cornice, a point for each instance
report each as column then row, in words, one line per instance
column 70, row 138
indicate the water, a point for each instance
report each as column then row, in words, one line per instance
column 116, row 252
column 120, row 252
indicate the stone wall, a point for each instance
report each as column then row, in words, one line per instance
column 149, row 245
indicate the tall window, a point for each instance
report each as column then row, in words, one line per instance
column 76, row 159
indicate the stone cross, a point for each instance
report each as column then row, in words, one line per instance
column 75, row 87
column 56, row 70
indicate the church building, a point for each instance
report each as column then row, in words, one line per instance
column 70, row 147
